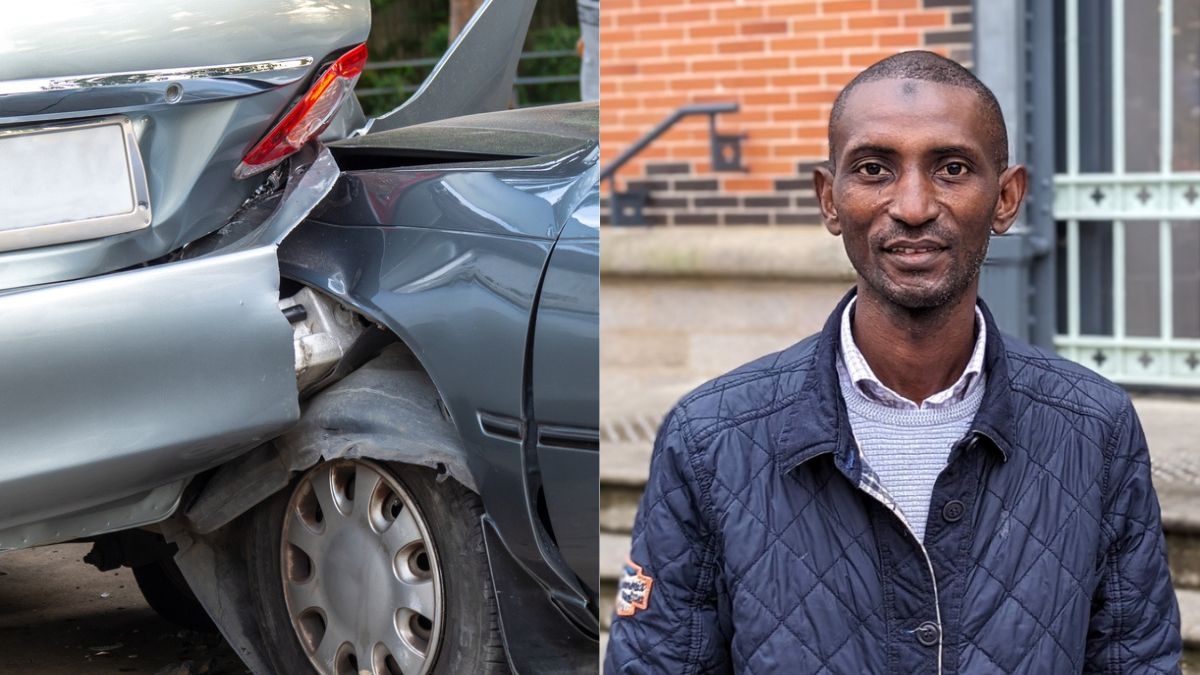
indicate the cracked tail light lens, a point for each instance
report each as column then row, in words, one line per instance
column 308, row 117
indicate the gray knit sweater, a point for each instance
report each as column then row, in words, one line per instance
column 905, row 444
column 907, row 448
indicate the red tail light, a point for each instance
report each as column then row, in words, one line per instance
column 308, row 117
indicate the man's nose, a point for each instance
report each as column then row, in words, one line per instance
column 913, row 203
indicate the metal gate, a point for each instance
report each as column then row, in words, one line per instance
column 1127, row 188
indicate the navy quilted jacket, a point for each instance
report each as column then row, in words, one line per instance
column 761, row 545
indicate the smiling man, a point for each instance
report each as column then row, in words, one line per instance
column 909, row 491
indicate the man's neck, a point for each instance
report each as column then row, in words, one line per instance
column 915, row 353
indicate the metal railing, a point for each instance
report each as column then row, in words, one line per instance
column 627, row 206
column 1121, row 225
column 428, row 63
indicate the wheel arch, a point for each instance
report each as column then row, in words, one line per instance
column 388, row 409
column 384, row 410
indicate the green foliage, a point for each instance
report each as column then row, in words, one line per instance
column 382, row 90
column 552, row 38
column 402, row 81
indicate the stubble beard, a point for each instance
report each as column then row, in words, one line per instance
column 924, row 301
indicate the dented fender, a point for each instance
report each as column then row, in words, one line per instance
column 389, row 410
column 386, row 410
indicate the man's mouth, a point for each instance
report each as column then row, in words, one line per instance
column 914, row 255
column 911, row 247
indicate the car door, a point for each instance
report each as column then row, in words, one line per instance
column 566, row 373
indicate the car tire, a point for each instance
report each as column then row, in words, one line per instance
column 167, row 593
column 327, row 609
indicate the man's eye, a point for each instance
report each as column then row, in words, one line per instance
column 871, row 169
column 955, row 169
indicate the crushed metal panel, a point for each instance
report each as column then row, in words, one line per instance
column 139, row 509
column 115, row 385
column 387, row 409
column 307, row 185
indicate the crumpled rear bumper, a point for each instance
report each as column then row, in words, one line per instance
column 117, row 388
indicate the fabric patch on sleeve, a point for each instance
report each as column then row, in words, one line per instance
column 633, row 590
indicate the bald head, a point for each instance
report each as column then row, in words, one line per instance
column 928, row 67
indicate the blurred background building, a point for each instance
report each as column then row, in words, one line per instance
column 713, row 252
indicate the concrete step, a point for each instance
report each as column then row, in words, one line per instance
column 625, row 463
column 1180, row 499
column 1189, row 617
column 618, row 506
column 1183, row 549
column 614, row 548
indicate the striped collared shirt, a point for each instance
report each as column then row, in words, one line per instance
column 864, row 378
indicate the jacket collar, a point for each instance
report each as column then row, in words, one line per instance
column 817, row 422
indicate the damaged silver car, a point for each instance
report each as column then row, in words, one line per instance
column 325, row 381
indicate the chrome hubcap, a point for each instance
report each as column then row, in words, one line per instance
column 360, row 574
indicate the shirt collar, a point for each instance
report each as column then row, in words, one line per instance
column 816, row 423
column 869, row 385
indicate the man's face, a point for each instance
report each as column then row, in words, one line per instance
column 915, row 191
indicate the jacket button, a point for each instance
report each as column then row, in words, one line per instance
column 927, row 633
column 953, row 510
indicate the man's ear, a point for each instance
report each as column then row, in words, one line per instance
column 1013, row 183
column 823, row 186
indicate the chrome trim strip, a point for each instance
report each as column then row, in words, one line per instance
column 139, row 217
column 238, row 70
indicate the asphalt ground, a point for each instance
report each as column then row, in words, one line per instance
column 61, row 616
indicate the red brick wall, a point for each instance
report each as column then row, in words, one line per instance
column 782, row 61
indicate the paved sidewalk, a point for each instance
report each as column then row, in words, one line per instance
column 1170, row 425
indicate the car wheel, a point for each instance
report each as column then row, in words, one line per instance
column 365, row 568
column 167, row 593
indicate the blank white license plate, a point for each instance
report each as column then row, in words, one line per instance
column 70, row 182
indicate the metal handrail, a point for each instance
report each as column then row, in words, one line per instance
column 710, row 109
column 726, row 156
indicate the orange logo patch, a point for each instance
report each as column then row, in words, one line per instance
column 633, row 590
